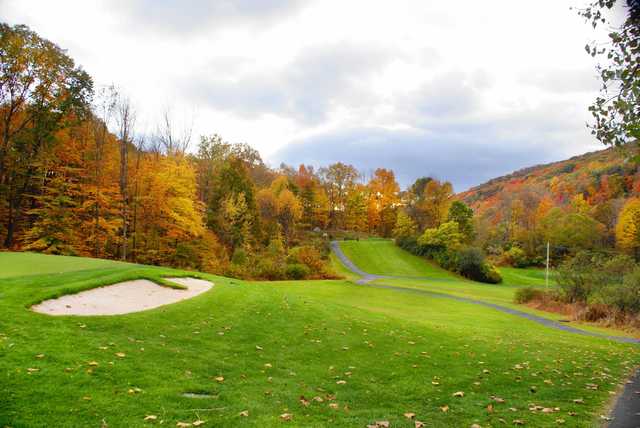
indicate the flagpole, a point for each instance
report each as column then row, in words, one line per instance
column 547, row 273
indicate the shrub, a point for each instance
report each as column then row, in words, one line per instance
column 626, row 296
column 590, row 275
column 491, row 274
column 297, row 271
column 239, row 257
column 515, row 257
column 577, row 277
column 471, row 264
column 308, row 256
column 269, row 269
column 527, row 294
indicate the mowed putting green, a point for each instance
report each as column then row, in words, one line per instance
column 312, row 354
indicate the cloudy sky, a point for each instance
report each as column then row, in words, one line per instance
column 463, row 90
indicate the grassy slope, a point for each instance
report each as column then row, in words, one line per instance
column 389, row 347
column 382, row 257
column 372, row 253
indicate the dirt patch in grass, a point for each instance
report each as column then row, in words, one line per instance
column 123, row 298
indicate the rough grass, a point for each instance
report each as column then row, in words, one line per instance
column 274, row 343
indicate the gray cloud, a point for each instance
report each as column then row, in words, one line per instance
column 446, row 95
column 318, row 80
column 192, row 16
column 466, row 153
column 562, row 81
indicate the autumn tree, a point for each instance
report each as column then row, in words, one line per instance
column 572, row 231
column 383, row 190
column 446, row 236
column 615, row 111
column 339, row 180
column 628, row 228
column 462, row 214
column 41, row 92
column 356, row 209
column 405, row 226
column 429, row 202
column 56, row 226
column 125, row 120
column 225, row 203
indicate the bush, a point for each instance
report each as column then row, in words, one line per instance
column 297, row 271
column 471, row 264
column 491, row 274
column 269, row 269
column 626, row 296
column 515, row 257
column 308, row 256
column 239, row 257
column 591, row 275
column 527, row 294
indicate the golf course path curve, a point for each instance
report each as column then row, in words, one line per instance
column 626, row 411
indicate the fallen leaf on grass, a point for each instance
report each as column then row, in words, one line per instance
column 183, row 424
column 198, row 423
column 286, row 416
column 475, row 426
column 244, row 413
column 120, row 354
column 579, row 401
column 258, row 348
column 444, row 408
column 341, row 382
column 32, row 370
column 419, row 424
column 518, row 422
column 40, row 356
column 333, row 405
column 93, row 363
column 381, row 424
column 150, row 418
column 219, row 379
column 409, row 415
column 458, row 394
column 304, row 401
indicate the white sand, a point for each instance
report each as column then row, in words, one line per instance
column 123, row 298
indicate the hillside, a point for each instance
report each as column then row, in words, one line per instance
column 601, row 175
column 596, row 183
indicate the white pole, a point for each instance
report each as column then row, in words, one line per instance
column 547, row 273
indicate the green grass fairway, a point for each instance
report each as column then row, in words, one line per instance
column 327, row 352
column 383, row 257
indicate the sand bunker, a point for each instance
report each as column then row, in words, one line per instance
column 122, row 298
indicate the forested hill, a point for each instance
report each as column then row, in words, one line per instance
column 599, row 176
column 596, row 184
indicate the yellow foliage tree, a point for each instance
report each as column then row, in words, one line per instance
column 628, row 227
